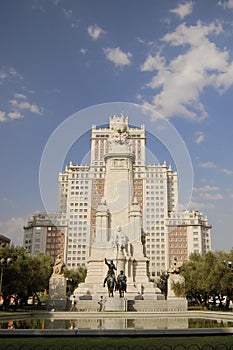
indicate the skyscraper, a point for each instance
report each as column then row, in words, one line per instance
column 153, row 187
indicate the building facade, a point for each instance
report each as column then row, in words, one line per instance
column 188, row 232
column 4, row 240
column 155, row 189
column 46, row 233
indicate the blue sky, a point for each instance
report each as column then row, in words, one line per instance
column 61, row 56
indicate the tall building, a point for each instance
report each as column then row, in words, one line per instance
column 154, row 188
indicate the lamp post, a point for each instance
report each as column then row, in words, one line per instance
column 4, row 264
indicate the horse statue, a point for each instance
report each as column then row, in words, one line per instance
column 121, row 284
column 111, row 284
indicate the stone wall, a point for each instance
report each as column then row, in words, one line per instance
column 138, row 305
column 157, row 305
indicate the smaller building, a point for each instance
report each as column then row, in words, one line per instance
column 4, row 240
column 188, row 232
column 46, row 233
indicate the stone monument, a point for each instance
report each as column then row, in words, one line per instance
column 119, row 234
column 57, row 286
column 173, row 278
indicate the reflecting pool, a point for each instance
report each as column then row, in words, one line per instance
column 113, row 323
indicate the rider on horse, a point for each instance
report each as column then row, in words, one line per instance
column 111, row 273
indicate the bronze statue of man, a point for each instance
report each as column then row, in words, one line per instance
column 121, row 278
column 111, row 272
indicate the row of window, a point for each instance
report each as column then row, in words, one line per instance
column 76, row 258
column 56, row 240
column 157, row 252
column 181, row 251
column 52, row 246
column 78, row 222
column 162, row 246
column 85, row 204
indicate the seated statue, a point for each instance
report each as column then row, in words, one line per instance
column 58, row 268
column 175, row 266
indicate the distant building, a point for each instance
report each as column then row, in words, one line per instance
column 46, row 233
column 4, row 239
column 188, row 232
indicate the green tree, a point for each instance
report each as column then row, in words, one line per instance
column 162, row 283
column 207, row 276
column 26, row 274
column 74, row 277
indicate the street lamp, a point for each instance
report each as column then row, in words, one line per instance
column 4, row 264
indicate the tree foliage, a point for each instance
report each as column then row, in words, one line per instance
column 208, row 276
column 26, row 274
column 74, row 277
column 162, row 283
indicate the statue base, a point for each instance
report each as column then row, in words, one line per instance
column 115, row 304
column 57, row 293
column 173, row 279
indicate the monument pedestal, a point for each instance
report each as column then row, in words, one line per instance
column 174, row 302
column 115, row 304
column 173, row 279
column 57, row 292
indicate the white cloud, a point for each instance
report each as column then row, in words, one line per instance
column 180, row 82
column 15, row 115
column 227, row 4
column 201, row 205
column 8, row 72
column 9, row 76
column 83, row 51
column 67, row 13
column 2, row 116
column 20, row 96
column 118, row 57
column 205, row 194
column 153, row 63
column 95, row 31
column 227, row 171
column 3, row 75
column 211, row 196
column 206, row 188
column 183, row 10
column 26, row 105
column 207, row 165
column 13, row 229
column 200, row 137
column 15, row 74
